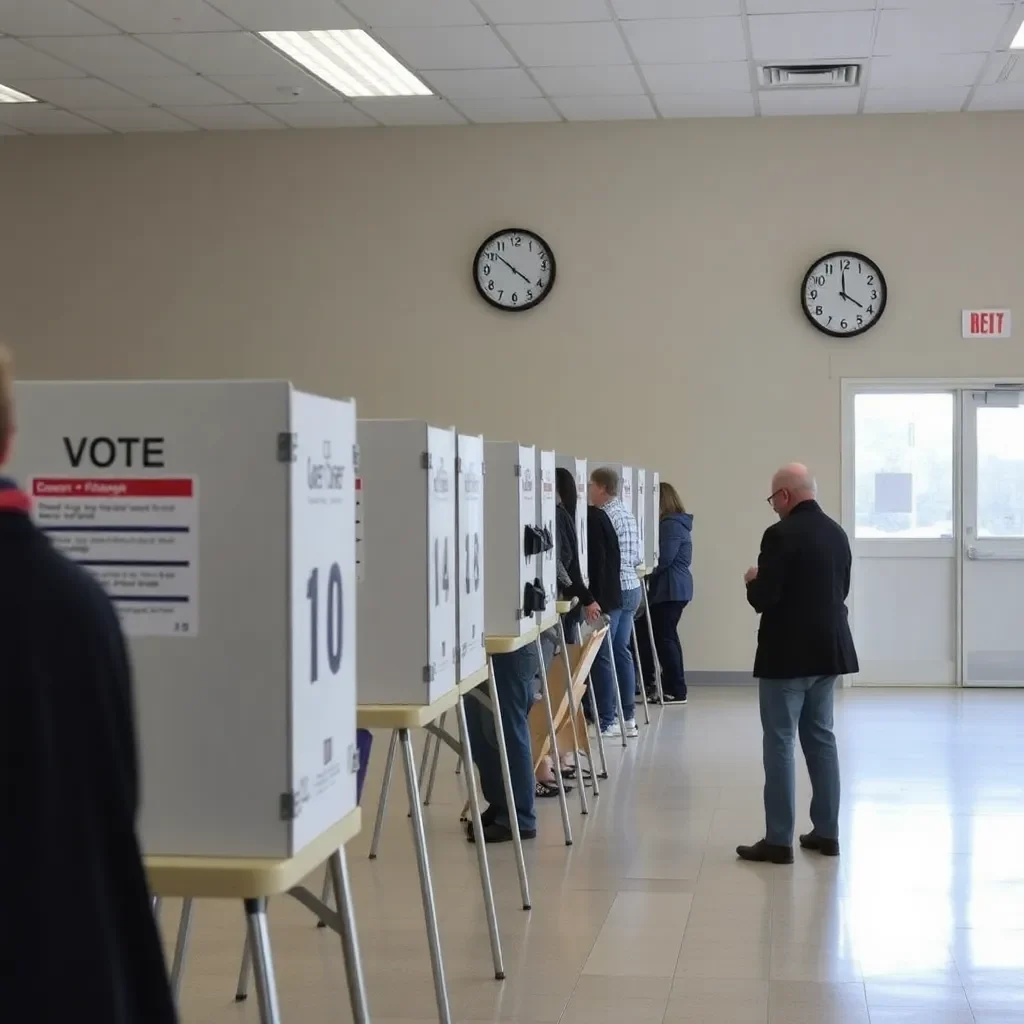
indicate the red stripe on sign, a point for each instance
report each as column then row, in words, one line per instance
column 93, row 487
column 359, row 483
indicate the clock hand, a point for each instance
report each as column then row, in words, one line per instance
column 513, row 269
column 853, row 300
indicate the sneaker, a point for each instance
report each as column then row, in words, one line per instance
column 632, row 732
column 496, row 833
column 612, row 732
column 764, row 852
column 826, row 847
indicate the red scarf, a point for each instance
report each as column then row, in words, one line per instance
column 14, row 500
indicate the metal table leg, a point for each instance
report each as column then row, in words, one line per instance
column 337, row 869
column 385, row 789
column 433, row 764
column 481, row 846
column 597, row 726
column 618, row 695
column 154, row 905
column 181, row 946
column 559, row 781
column 654, row 650
column 426, row 883
column 643, row 689
column 242, row 988
column 263, row 965
column 572, row 715
column 510, row 797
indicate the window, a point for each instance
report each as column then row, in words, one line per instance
column 1000, row 471
column 903, row 453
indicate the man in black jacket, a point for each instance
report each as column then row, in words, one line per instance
column 804, row 644
column 76, row 932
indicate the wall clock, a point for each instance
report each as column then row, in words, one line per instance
column 514, row 269
column 844, row 294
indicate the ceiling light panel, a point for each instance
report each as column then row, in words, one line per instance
column 9, row 95
column 350, row 61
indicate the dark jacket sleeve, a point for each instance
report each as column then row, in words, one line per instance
column 765, row 591
column 597, row 553
column 570, row 559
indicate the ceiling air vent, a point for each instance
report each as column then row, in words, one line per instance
column 809, row 76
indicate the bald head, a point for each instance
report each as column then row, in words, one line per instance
column 791, row 485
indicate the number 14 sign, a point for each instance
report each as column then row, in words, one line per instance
column 323, row 652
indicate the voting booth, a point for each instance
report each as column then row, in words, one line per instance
column 220, row 518
column 652, row 519
column 639, row 510
column 470, row 556
column 547, row 561
column 513, row 540
column 578, row 468
column 407, row 595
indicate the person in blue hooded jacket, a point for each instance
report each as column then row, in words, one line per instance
column 671, row 590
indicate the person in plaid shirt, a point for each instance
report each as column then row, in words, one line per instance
column 604, row 493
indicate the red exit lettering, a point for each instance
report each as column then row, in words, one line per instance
column 987, row 323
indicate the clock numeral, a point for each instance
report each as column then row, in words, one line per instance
column 830, row 269
column 501, row 294
column 860, row 321
column 540, row 283
column 870, row 310
column 829, row 321
column 814, row 293
column 819, row 281
column 529, row 295
column 516, row 241
column 491, row 256
column 500, row 246
column 844, row 264
column 531, row 245
column 860, row 268
column 818, row 311
column 874, row 296
column 543, row 264
column 871, row 279
column 490, row 286
column 515, row 299
column 487, row 270
column 843, row 325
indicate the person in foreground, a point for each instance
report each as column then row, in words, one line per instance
column 804, row 644
column 513, row 678
column 671, row 590
column 604, row 494
column 76, row 928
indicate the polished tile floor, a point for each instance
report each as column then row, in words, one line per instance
column 648, row 917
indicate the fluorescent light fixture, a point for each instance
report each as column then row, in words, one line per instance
column 9, row 95
column 1018, row 39
column 350, row 61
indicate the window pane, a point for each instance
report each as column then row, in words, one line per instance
column 903, row 451
column 1000, row 472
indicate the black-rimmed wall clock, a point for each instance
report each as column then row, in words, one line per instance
column 514, row 269
column 844, row 294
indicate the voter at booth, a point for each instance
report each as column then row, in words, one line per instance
column 603, row 561
column 77, row 936
column 514, row 675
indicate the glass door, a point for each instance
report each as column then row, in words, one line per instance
column 993, row 538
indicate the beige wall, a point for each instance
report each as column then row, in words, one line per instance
column 673, row 337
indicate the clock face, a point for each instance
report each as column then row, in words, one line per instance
column 514, row 269
column 844, row 294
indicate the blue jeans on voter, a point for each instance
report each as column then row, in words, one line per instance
column 790, row 707
column 513, row 678
column 620, row 631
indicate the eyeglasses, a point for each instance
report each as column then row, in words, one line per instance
column 771, row 497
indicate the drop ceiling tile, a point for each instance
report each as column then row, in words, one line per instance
column 784, row 102
column 76, row 93
column 109, row 56
column 185, row 90
column 915, row 100
column 141, row 119
column 275, row 16
column 811, row 36
column 606, row 108
column 20, row 61
column 1003, row 68
column 484, row 84
column 414, row 13
column 272, row 90
column 159, row 15
column 630, row 10
column 575, row 45
column 809, row 6
column 49, row 18
column 337, row 114
column 527, row 12
column 615, row 80
column 686, row 40
column 932, row 4
column 7, row 129
column 410, row 110
column 220, row 53
column 507, row 111
column 40, row 120
column 447, row 49
column 731, row 76
column 943, row 30
column 925, row 70
column 232, row 116
column 998, row 97
column 710, row 105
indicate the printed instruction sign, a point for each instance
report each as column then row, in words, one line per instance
column 138, row 536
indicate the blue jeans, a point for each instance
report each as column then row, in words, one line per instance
column 513, row 678
column 620, row 632
column 789, row 705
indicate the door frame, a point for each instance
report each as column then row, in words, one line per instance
column 850, row 387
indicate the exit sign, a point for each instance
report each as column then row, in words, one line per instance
column 986, row 323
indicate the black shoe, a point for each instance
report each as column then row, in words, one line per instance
column 495, row 833
column 826, row 847
column 764, row 852
column 487, row 816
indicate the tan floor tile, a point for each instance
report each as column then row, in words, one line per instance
column 723, row 960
